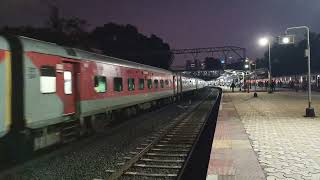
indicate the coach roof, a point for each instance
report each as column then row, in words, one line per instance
column 43, row 47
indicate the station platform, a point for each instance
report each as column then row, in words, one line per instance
column 266, row 137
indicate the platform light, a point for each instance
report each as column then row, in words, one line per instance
column 287, row 39
column 263, row 41
column 246, row 66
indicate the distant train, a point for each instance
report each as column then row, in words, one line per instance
column 51, row 94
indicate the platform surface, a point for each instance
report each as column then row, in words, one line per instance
column 266, row 137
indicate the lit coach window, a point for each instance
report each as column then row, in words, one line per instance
column 100, row 84
column 47, row 79
column 117, row 84
column 67, row 76
column 131, row 84
column 161, row 84
column 149, row 84
column 156, row 82
column 167, row 83
column 141, row 84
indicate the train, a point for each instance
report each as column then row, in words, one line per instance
column 51, row 94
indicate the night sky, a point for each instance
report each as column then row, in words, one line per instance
column 183, row 24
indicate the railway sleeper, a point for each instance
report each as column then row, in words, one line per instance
column 177, row 143
column 132, row 173
column 150, row 174
column 173, row 146
column 172, row 165
column 176, row 138
column 162, row 154
column 157, row 166
column 166, row 149
column 161, row 160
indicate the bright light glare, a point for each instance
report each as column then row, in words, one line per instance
column 246, row 66
column 285, row 40
column 263, row 41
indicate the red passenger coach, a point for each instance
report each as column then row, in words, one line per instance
column 51, row 94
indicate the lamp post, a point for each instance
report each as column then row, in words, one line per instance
column 246, row 67
column 263, row 42
column 255, row 94
column 286, row 40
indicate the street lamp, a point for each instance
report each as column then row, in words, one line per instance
column 287, row 40
column 246, row 67
column 263, row 42
column 255, row 79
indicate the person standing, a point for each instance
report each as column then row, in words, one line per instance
column 273, row 86
column 232, row 86
column 266, row 85
column 296, row 85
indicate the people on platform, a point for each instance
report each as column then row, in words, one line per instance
column 296, row 85
column 273, row 86
column 266, row 85
column 232, row 86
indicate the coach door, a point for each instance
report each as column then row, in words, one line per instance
column 69, row 89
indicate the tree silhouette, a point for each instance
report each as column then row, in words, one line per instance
column 121, row 41
column 124, row 41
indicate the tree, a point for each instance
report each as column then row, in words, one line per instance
column 124, row 41
column 66, row 32
column 121, row 41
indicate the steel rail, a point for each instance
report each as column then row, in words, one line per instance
column 156, row 144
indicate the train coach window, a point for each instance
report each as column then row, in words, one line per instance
column 47, row 79
column 131, row 84
column 156, row 83
column 100, row 84
column 167, row 83
column 117, row 84
column 141, row 84
column 67, row 76
column 161, row 84
column 149, row 83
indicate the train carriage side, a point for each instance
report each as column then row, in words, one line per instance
column 50, row 92
column 55, row 87
column 124, row 84
column 20, row 100
column 5, row 87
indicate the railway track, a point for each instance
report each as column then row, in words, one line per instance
column 164, row 154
